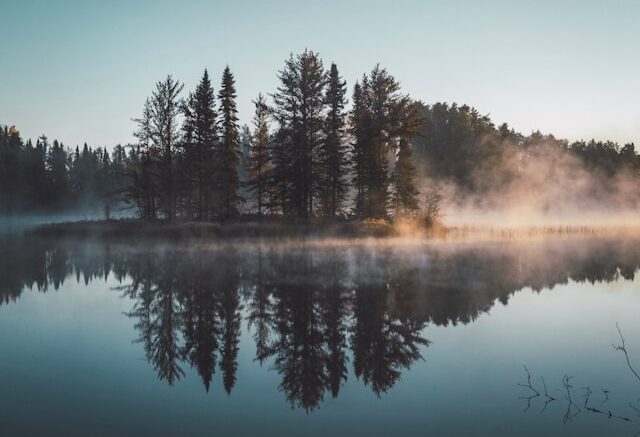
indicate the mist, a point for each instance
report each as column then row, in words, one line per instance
column 488, row 176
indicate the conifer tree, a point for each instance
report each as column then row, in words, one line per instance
column 406, row 193
column 200, row 141
column 259, row 153
column 360, row 119
column 298, row 107
column 57, row 168
column 380, row 119
column 229, row 153
column 333, row 157
column 166, row 106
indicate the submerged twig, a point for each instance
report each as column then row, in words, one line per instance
column 528, row 385
column 606, row 396
column 623, row 348
column 546, row 394
column 566, row 382
column 587, row 395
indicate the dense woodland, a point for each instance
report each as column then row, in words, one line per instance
column 307, row 153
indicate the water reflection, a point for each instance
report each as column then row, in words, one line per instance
column 312, row 312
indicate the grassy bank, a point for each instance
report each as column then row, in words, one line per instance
column 117, row 229
column 408, row 230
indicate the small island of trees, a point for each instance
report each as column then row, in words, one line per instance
column 308, row 153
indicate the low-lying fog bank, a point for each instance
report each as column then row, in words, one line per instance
column 335, row 233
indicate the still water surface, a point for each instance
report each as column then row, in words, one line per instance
column 307, row 339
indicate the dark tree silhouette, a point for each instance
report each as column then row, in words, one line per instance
column 200, row 142
column 259, row 165
column 227, row 182
column 332, row 154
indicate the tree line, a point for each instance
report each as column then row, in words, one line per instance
column 47, row 177
column 309, row 152
column 302, row 157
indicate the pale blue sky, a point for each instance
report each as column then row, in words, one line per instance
column 79, row 70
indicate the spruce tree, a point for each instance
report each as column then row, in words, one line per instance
column 406, row 193
column 359, row 117
column 229, row 153
column 298, row 107
column 333, row 157
column 57, row 169
column 200, row 141
column 381, row 118
column 259, row 154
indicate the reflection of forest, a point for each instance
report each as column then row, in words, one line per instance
column 311, row 311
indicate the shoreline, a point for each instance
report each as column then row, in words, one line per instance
column 349, row 232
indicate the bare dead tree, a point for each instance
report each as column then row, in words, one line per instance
column 432, row 207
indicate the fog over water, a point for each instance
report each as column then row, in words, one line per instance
column 419, row 337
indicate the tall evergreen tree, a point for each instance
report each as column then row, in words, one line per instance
column 57, row 168
column 360, row 120
column 333, row 157
column 200, row 141
column 165, row 110
column 229, row 154
column 406, row 194
column 143, row 189
column 259, row 154
column 380, row 119
column 299, row 103
column 406, row 191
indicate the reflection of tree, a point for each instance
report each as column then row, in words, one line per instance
column 298, row 344
column 383, row 343
column 230, row 324
column 201, row 325
column 335, row 313
column 260, row 316
column 163, row 350
column 306, row 307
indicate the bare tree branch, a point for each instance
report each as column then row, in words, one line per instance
column 623, row 348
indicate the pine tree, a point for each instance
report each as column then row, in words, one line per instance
column 380, row 119
column 143, row 189
column 333, row 157
column 299, row 103
column 57, row 169
column 165, row 110
column 406, row 194
column 359, row 128
column 259, row 157
column 229, row 154
column 200, row 141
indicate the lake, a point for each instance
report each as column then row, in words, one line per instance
column 319, row 338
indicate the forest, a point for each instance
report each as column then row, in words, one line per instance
column 312, row 150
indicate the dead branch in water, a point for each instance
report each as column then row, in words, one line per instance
column 566, row 382
column 623, row 348
column 547, row 395
column 528, row 385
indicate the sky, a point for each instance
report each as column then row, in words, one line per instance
column 79, row 71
